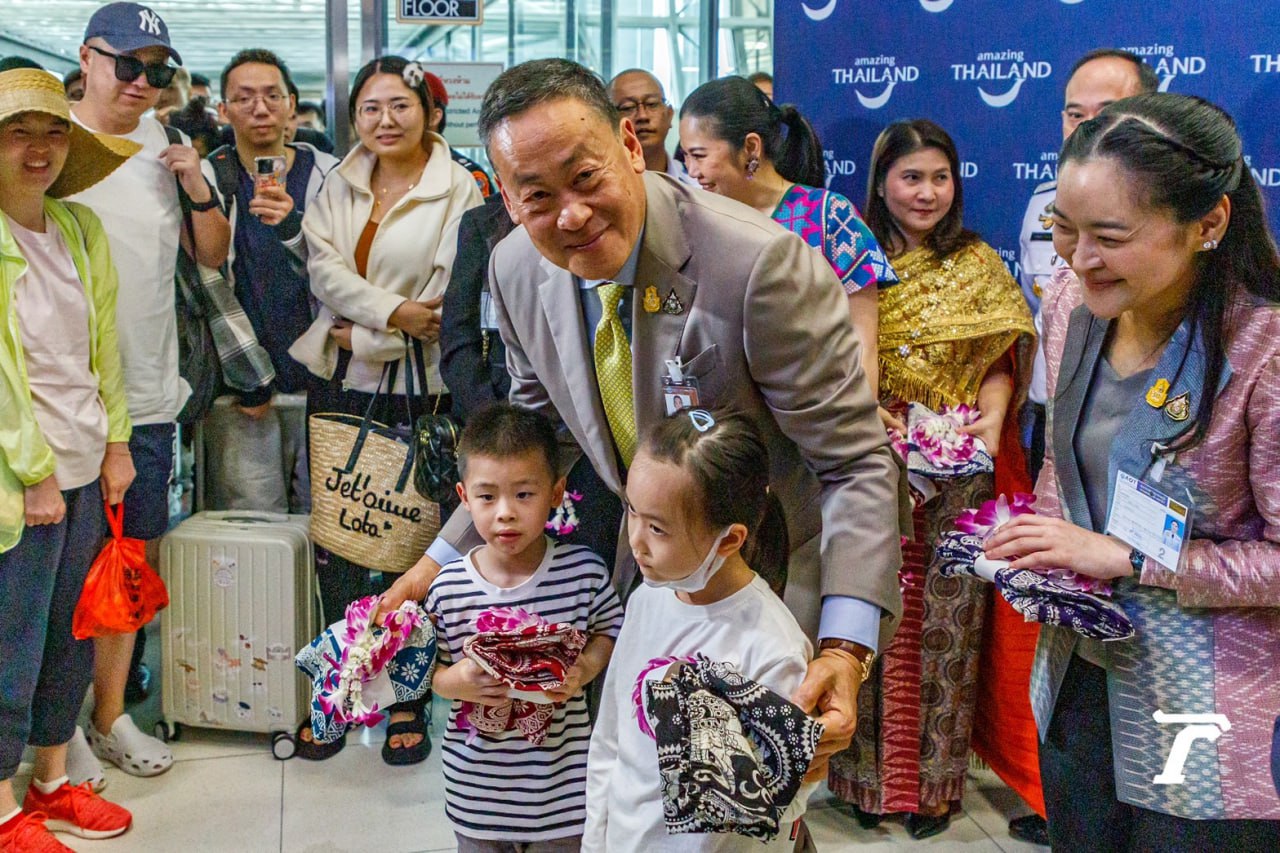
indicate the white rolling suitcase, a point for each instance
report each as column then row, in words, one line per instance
column 242, row 596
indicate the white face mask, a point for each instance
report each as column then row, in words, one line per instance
column 701, row 576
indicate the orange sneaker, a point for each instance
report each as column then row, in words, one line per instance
column 79, row 811
column 26, row 833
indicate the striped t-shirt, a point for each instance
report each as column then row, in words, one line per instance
column 500, row 786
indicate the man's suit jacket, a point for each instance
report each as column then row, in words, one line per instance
column 765, row 330
column 473, row 379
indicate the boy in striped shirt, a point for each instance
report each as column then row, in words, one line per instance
column 502, row 792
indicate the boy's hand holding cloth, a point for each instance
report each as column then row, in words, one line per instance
column 528, row 654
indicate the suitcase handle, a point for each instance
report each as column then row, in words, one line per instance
column 246, row 516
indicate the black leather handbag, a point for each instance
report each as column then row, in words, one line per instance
column 435, row 446
column 435, row 442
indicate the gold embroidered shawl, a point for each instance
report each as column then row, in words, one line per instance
column 947, row 322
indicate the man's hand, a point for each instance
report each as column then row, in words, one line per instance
column 831, row 686
column 43, row 502
column 271, row 204
column 419, row 320
column 117, row 472
column 467, row 682
column 184, row 162
column 410, row 586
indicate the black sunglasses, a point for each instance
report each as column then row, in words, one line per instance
column 159, row 74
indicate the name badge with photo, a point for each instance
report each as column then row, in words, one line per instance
column 679, row 395
column 1146, row 518
column 488, row 314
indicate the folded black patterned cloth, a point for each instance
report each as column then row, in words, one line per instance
column 731, row 752
column 1038, row 597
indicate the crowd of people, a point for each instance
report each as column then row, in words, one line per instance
column 712, row 358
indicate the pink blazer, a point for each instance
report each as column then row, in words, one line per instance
column 1208, row 637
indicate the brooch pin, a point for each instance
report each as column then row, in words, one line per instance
column 1179, row 408
column 1158, row 393
column 672, row 305
column 652, row 302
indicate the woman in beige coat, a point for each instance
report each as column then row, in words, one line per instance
column 381, row 237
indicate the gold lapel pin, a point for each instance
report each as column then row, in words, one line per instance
column 1158, row 393
column 652, row 302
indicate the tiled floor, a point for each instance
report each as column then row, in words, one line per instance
column 227, row 794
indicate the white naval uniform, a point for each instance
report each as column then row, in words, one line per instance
column 1038, row 260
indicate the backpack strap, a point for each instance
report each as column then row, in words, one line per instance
column 226, row 171
column 184, row 200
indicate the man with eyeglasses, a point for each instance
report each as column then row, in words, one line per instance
column 255, row 444
column 125, row 60
column 639, row 97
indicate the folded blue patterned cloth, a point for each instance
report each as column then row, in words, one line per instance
column 358, row 668
column 1037, row 597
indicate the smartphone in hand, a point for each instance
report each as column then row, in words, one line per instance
column 268, row 172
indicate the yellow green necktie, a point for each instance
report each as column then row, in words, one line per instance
column 613, row 371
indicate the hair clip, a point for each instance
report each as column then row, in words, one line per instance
column 701, row 419
column 413, row 74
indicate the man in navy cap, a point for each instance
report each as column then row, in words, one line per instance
column 126, row 60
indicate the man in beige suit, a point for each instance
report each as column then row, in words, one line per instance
column 750, row 312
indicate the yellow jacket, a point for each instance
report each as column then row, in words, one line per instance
column 25, row 457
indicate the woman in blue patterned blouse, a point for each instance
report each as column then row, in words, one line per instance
column 739, row 144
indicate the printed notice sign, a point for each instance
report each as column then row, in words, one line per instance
column 466, row 83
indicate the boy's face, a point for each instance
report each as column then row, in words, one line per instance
column 510, row 499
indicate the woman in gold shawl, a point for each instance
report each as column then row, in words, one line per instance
column 951, row 333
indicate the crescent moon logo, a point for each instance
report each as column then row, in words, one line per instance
column 823, row 13
column 1072, row 2
column 1002, row 100
column 936, row 6
column 875, row 103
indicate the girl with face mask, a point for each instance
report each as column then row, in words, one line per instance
column 699, row 520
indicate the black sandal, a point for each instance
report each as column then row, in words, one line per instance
column 399, row 756
column 312, row 751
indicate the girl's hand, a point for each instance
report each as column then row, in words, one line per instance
column 466, row 681
column 117, row 472
column 44, row 504
column 987, row 427
column 1040, row 542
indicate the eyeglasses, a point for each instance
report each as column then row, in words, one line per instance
column 649, row 105
column 128, row 68
column 372, row 111
column 273, row 100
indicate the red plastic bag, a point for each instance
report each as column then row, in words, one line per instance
column 122, row 593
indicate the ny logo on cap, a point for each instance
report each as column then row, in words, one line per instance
column 149, row 21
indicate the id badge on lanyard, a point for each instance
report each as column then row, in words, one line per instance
column 678, row 391
column 1145, row 516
